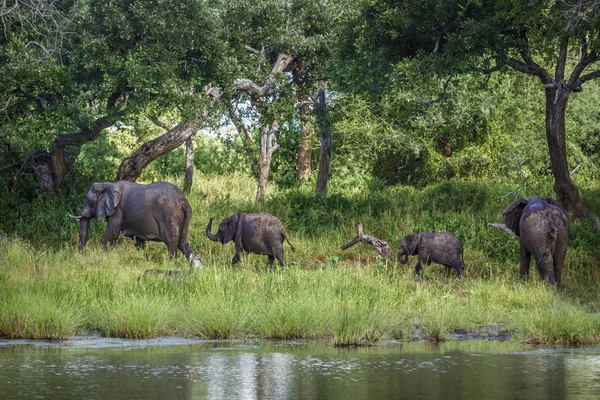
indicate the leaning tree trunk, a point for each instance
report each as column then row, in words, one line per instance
column 268, row 145
column 188, row 177
column 326, row 142
column 567, row 193
column 131, row 167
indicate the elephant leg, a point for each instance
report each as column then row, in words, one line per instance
column 171, row 238
column 559, row 255
column 184, row 247
column 447, row 270
column 459, row 270
column 113, row 228
column 140, row 244
column 270, row 260
column 419, row 268
column 279, row 254
column 545, row 265
column 235, row 259
column 524, row 263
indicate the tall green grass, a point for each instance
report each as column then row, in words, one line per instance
column 49, row 290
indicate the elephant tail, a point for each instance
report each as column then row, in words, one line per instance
column 291, row 245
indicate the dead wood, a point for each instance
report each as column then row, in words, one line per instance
column 382, row 247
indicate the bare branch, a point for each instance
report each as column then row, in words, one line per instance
column 530, row 67
column 382, row 247
column 252, row 49
column 585, row 78
column 516, row 193
column 258, row 93
column 159, row 123
column 239, row 125
column 576, row 169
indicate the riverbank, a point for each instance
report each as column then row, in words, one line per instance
column 57, row 295
column 48, row 290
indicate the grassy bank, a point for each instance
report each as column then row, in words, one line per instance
column 49, row 290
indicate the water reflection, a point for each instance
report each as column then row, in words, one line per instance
column 238, row 371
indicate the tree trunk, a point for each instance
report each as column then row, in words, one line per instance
column 43, row 174
column 59, row 165
column 446, row 145
column 188, row 178
column 567, row 193
column 326, row 140
column 268, row 145
column 307, row 132
column 131, row 167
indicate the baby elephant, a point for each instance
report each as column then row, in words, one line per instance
column 255, row 233
column 438, row 247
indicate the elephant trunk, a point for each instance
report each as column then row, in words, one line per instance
column 212, row 237
column 84, row 226
column 402, row 258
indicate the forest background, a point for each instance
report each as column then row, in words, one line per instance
column 406, row 117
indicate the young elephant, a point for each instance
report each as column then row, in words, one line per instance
column 543, row 228
column 254, row 233
column 438, row 247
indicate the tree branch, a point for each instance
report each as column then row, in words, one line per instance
column 586, row 59
column 258, row 93
column 528, row 66
column 382, row 247
column 561, row 60
column 159, row 123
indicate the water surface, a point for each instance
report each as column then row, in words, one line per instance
column 181, row 369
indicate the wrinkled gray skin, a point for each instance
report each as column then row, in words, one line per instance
column 253, row 233
column 157, row 212
column 438, row 247
column 543, row 228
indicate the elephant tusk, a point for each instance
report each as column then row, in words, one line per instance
column 75, row 217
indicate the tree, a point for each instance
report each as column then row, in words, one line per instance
column 304, row 29
column 259, row 99
column 534, row 37
column 326, row 140
column 129, row 58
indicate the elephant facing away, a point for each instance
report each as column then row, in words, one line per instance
column 543, row 229
column 254, row 233
column 156, row 212
column 438, row 247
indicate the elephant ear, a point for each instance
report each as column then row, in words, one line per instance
column 231, row 227
column 512, row 214
column 412, row 244
column 110, row 197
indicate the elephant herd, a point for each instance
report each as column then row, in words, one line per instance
column 160, row 212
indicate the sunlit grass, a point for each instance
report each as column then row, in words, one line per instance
column 347, row 297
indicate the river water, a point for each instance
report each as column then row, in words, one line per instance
column 170, row 368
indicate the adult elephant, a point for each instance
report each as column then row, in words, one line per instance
column 543, row 228
column 254, row 233
column 156, row 212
